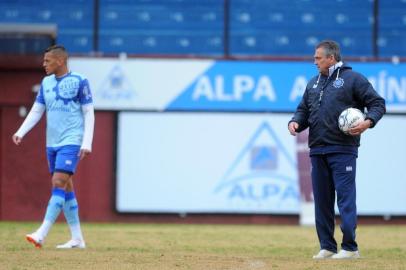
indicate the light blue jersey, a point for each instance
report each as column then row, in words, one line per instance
column 63, row 98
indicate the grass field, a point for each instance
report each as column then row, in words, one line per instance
column 208, row 247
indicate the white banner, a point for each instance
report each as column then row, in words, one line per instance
column 241, row 163
column 209, row 85
column 200, row 162
column 381, row 181
column 120, row 84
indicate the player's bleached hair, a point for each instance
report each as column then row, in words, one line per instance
column 59, row 50
column 330, row 48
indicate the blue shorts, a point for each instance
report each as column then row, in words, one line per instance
column 63, row 159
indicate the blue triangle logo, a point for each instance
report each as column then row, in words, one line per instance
column 116, row 86
column 264, row 171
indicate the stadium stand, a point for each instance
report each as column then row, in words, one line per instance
column 162, row 27
column 214, row 27
column 74, row 19
column 293, row 27
column 392, row 28
column 26, row 38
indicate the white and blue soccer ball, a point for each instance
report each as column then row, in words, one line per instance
column 349, row 118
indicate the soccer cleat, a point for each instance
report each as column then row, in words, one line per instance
column 73, row 243
column 324, row 254
column 345, row 254
column 35, row 239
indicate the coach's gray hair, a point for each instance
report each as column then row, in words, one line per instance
column 330, row 48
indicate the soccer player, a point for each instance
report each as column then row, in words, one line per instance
column 333, row 154
column 67, row 100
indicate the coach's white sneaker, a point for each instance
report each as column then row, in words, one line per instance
column 345, row 254
column 35, row 239
column 324, row 254
column 73, row 243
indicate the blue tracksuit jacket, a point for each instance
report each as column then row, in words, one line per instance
column 326, row 97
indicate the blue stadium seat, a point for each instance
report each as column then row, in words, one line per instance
column 74, row 19
column 81, row 41
column 162, row 27
column 26, row 45
column 292, row 28
column 256, row 27
column 392, row 28
column 157, row 43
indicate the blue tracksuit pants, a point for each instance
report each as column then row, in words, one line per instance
column 335, row 173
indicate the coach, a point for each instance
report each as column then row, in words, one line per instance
column 333, row 154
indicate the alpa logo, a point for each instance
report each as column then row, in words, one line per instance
column 116, row 86
column 263, row 172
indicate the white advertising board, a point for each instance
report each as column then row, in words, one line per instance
column 381, row 177
column 210, row 85
column 202, row 162
column 241, row 163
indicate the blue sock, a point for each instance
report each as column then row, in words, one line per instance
column 71, row 212
column 70, row 208
column 55, row 205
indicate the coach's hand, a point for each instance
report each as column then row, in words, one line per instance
column 361, row 127
column 293, row 126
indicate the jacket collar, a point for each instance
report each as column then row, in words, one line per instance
column 334, row 67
